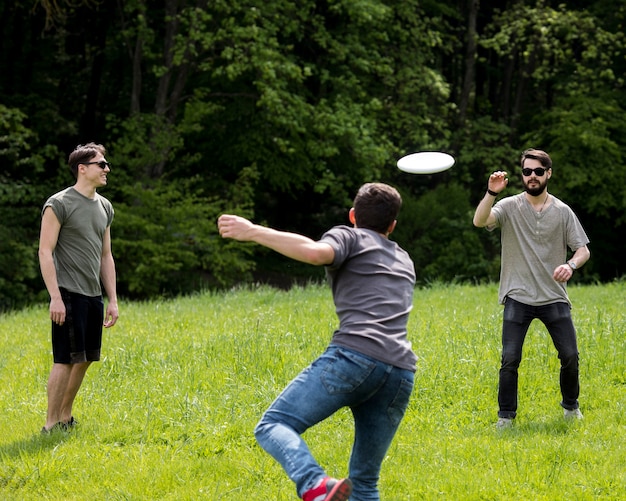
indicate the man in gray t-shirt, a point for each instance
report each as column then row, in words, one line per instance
column 369, row 365
column 536, row 231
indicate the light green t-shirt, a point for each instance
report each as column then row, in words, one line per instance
column 534, row 244
column 78, row 253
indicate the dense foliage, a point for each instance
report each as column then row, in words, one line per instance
column 280, row 109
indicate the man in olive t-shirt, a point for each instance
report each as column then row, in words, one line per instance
column 75, row 257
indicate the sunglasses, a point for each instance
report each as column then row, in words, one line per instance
column 539, row 171
column 102, row 164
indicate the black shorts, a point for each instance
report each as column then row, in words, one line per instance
column 79, row 339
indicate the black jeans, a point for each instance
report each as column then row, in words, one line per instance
column 558, row 320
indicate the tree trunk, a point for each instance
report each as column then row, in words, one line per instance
column 470, row 61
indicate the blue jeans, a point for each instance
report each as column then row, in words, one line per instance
column 558, row 321
column 378, row 395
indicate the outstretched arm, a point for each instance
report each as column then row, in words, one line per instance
column 292, row 245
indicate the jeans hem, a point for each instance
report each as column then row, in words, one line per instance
column 507, row 414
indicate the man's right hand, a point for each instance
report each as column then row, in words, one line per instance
column 57, row 311
column 498, row 181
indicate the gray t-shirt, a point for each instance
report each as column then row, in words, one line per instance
column 372, row 280
column 534, row 244
column 78, row 253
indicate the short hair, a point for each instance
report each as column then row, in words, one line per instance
column 376, row 206
column 84, row 153
column 540, row 155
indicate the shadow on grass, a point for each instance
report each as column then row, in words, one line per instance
column 557, row 426
column 35, row 444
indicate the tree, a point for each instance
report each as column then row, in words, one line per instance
column 283, row 108
column 21, row 201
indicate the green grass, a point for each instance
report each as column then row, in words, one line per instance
column 168, row 413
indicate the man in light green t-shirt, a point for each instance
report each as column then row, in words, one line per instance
column 536, row 231
column 75, row 259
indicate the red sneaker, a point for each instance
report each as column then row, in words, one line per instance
column 330, row 489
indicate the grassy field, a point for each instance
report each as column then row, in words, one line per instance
column 168, row 413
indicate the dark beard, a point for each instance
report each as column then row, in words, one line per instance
column 535, row 192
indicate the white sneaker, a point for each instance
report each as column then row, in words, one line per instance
column 572, row 414
column 504, row 422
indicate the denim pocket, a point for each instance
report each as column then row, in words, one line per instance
column 400, row 402
column 346, row 371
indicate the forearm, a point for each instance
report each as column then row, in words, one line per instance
column 291, row 245
column 581, row 256
column 483, row 211
column 109, row 278
column 49, row 274
column 565, row 271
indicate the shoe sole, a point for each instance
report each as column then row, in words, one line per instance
column 341, row 491
column 57, row 427
column 60, row 426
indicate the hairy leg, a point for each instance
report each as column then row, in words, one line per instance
column 63, row 384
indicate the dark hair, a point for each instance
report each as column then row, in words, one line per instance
column 540, row 155
column 376, row 206
column 84, row 153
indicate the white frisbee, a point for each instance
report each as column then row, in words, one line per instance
column 426, row 162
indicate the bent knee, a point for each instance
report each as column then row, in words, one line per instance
column 511, row 360
column 569, row 359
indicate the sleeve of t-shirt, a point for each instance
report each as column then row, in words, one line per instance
column 340, row 238
column 576, row 236
column 108, row 207
column 57, row 207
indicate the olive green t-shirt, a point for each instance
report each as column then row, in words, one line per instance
column 78, row 253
